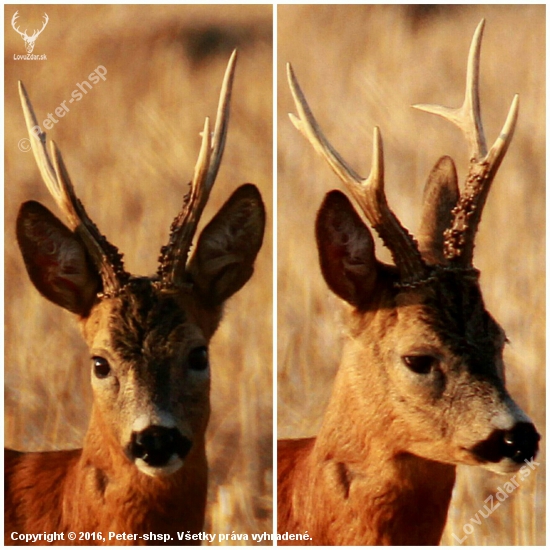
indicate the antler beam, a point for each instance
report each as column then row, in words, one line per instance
column 54, row 173
column 459, row 238
column 369, row 192
column 173, row 257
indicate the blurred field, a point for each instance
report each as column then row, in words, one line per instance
column 362, row 66
column 130, row 145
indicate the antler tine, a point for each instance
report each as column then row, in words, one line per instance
column 307, row 125
column 173, row 257
column 38, row 145
column 459, row 238
column 468, row 116
column 222, row 119
column 54, row 173
column 369, row 193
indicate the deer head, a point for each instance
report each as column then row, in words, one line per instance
column 29, row 40
column 423, row 352
column 148, row 336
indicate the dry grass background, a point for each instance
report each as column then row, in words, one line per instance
column 361, row 66
column 130, row 146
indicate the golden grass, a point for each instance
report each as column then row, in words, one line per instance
column 362, row 66
column 130, row 145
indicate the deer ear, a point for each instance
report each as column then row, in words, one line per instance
column 441, row 195
column 56, row 259
column 227, row 247
column 346, row 250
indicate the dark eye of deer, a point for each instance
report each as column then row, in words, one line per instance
column 102, row 369
column 198, row 358
column 421, row 364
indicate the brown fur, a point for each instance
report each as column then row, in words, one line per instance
column 421, row 386
column 382, row 468
column 68, row 491
column 142, row 470
column 355, row 483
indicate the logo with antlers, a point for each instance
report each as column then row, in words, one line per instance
column 29, row 40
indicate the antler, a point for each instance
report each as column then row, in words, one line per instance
column 369, row 192
column 173, row 257
column 105, row 256
column 459, row 238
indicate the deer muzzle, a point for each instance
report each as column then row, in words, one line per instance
column 506, row 450
column 157, row 450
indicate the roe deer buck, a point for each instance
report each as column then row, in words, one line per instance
column 143, row 466
column 420, row 388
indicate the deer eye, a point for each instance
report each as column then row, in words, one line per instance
column 101, row 367
column 420, row 364
column 198, row 359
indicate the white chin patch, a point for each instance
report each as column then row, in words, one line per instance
column 174, row 464
column 505, row 466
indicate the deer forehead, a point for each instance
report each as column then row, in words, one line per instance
column 451, row 299
column 142, row 323
column 446, row 318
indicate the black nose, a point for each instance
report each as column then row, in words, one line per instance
column 519, row 443
column 156, row 444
